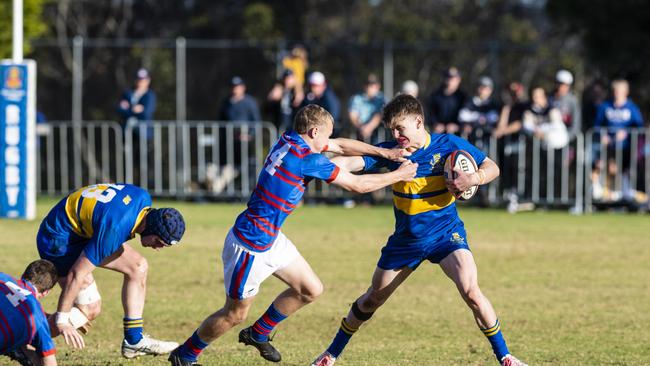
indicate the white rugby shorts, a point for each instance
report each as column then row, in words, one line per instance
column 245, row 270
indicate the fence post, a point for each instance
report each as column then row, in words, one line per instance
column 77, row 100
column 181, row 109
column 388, row 70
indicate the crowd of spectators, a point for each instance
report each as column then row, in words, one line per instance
column 554, row 117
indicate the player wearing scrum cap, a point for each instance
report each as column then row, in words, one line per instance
column 427, row 225
column 88, row 229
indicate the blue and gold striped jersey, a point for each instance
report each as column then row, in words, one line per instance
column 99, row 217
column 424, row 208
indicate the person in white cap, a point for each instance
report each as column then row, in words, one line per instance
column 322, row 94
column 566, row 102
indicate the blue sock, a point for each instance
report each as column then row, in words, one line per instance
column 133, row 329
column 497, row 341
column 192, row 348
column 266, row 323
column 341, row 339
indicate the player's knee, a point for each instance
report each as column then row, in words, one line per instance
column 472, row 296
column 91, row 311
column 139, row 269
column 312, row 292
column 372, row 301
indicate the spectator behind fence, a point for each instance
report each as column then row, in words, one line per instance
column 617, row 116
column 544, row 121
column 508, row 128
column 594, row 95
column 480, row 114
column 365, row 109
column 239, row 106
column 566, row 102
column 297, row 62
column 411, row 88
column 322, row 94
column 284, row 99
column 444, row 104
column 138, row 105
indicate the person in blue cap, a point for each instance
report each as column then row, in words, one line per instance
column 89, row 228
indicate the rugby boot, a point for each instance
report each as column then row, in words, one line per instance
column 510, row 360
column 176, row 360
column 325, row 359
column 147, row 346
column 267, row 351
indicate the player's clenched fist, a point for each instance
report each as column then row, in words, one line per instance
column 408, row 169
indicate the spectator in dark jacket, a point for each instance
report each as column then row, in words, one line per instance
column 444, row 104
column 239, row 106
column 138, row 105
column 322, row 94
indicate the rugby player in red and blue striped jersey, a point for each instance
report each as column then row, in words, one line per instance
column 255, row 248
column 22, row 319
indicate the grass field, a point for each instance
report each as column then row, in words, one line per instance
column 569, row 290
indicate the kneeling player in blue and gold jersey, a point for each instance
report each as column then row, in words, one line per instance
column 88, row 229
column 427, row 225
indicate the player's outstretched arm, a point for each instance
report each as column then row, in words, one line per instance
column 349, row 147
column 372, row 182
column 349, row 163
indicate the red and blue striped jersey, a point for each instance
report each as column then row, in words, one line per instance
column 22, row 319
column 281, row 184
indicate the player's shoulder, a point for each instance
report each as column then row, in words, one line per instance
column 387, row 144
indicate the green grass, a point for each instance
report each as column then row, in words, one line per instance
column 569, row 290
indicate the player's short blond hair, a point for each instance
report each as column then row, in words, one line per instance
column 311, row 116
column 400, row 107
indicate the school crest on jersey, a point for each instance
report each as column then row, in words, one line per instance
column 436, row 166
column 457, row 239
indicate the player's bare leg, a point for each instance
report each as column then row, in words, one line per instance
column 87, row 307
column 304, row 288
column 230, row 315
column 383, row 285
column 134, row 267
column 460, row 267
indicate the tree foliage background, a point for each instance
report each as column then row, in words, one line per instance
column 525, row 40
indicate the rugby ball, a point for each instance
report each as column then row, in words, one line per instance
column 463, row 160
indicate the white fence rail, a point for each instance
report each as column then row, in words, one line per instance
column 221, row 160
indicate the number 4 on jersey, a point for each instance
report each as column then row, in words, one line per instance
column 276, row 159
column 17, row 294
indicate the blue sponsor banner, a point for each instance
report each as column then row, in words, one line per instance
column 17, row 140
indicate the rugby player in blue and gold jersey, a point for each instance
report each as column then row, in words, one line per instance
column 427, row 225
column 89, row 228
column 255, row 248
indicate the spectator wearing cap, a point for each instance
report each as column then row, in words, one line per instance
column 411, row 88
column 322, row 94
column 239, row 106
column 284, row 99
column 105, row 217
column 480, row 114
column 137, row 105
column 566, row 102
column 445, row 102
column 365, row 109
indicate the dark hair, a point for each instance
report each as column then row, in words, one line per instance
column 401, row 106
column 311, row 116
column 42, row 274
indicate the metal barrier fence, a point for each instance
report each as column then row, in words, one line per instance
column 204, row 159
